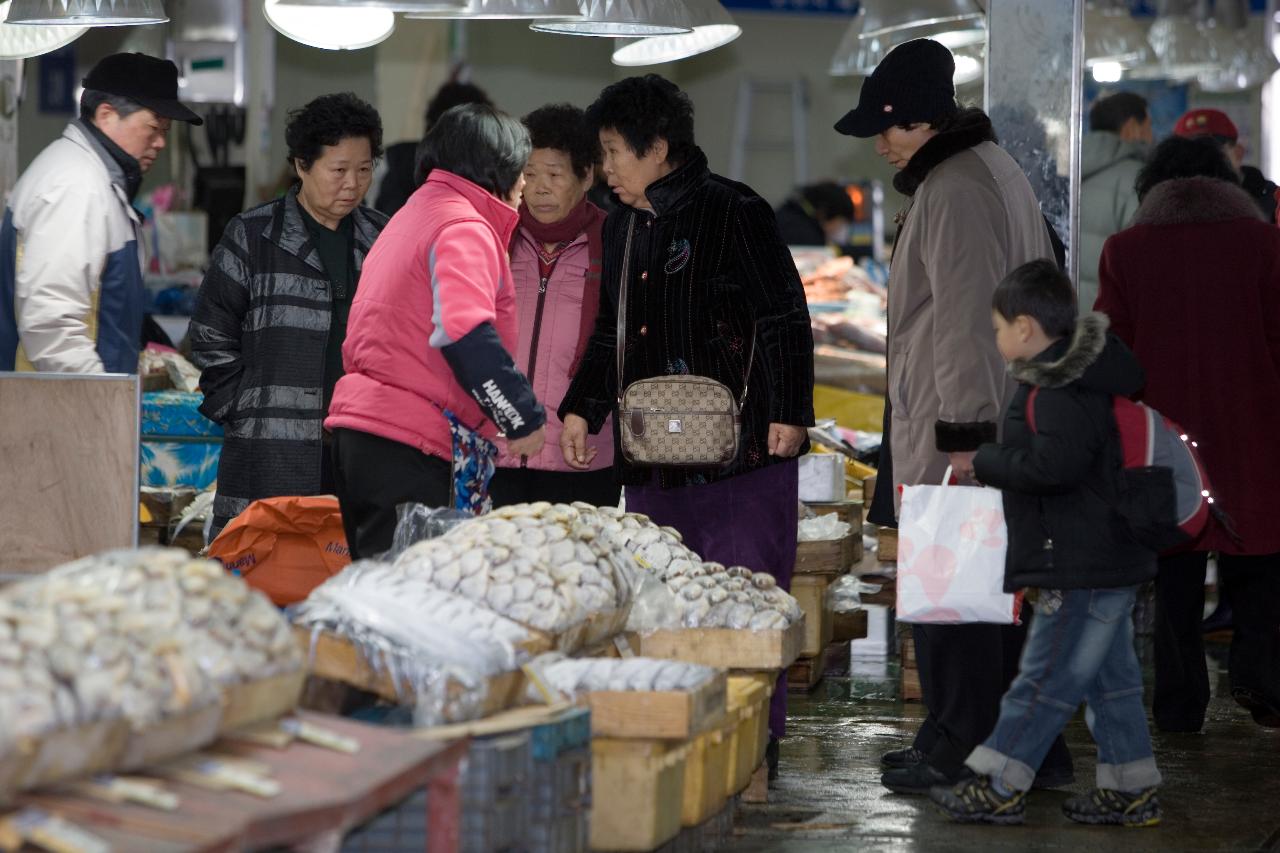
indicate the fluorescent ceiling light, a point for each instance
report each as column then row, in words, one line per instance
column 1107, row 72
column 713, row 27
column 907, row 19
column 86, row 13
column 26, row 41
column 623, row 19
column 332, row 27
column 507, row 9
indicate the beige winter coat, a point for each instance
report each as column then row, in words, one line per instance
column 972, row 220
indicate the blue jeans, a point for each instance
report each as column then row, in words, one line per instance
column 1080, row 649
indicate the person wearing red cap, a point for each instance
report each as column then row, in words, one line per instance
column 70, row 273
column 1219, row 126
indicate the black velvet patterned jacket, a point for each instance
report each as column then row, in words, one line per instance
column 707, row 268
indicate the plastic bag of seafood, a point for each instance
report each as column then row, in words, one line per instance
column 416, row 522
column 436, row 651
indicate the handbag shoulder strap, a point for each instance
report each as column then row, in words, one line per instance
column 621, row 336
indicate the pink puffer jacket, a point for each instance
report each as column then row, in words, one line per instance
column 548, row 339
column 438, row 270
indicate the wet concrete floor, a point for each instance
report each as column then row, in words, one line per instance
column 1221, row 791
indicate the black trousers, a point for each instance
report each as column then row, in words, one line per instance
column 1251, row 586
column 527, row 485
column 373, row 476
column 964, row 672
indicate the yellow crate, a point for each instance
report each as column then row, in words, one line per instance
column 749, row 709
column 637, row 792
column 705, row 772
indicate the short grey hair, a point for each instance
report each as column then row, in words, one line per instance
column 91, row 99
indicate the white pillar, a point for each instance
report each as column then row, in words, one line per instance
column 260, row 77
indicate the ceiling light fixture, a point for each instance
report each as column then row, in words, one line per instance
column 1112, row 36
column 623, row 19
column 26, row 41
column 858, row 55
column 713, row 27
column 1180, row 40
column 408, row 6
column 86, row 13
column 507, row 10
column 331, row 27
column 955, row 23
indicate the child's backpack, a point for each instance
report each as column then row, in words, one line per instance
column 1164, row 492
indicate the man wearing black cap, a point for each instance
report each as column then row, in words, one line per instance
column 71, row 293
column 971, row 218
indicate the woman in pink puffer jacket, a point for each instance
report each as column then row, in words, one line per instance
column 555, row 263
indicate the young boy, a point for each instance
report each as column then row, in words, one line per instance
column 1058, row 466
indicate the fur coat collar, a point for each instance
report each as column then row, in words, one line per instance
column 972, row 128
column 1188, row 201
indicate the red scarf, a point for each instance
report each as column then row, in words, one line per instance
column 588, row 218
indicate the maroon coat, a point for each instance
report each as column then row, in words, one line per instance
column 1194, row 289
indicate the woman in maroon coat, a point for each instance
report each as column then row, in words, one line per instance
column 1194, row 288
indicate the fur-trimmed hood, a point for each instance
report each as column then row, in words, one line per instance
column 973, row 128
column 1187, row 201
column 1092, row 357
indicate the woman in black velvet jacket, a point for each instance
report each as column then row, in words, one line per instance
column 708, row 278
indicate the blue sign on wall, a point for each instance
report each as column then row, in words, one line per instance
column 58, row 81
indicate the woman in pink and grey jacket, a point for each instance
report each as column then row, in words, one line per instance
column 431, row 332
column 555, row 262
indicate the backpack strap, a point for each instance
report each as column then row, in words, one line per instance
column 1031, row 407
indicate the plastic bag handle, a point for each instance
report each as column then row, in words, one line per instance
column 948, row 479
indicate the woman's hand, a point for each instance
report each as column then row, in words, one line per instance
column 573, row 443
column 785, row 440
column 529, row 445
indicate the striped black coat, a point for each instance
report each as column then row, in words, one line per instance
column 708, row 269
column 258, row 335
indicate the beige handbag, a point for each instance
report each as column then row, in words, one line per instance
column 675, row 421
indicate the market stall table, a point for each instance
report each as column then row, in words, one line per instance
column 323, row 794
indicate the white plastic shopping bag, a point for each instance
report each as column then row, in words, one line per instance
column 951, row 550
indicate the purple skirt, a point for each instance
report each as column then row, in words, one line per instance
column 748, row 520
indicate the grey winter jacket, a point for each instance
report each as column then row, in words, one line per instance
column 258, row 336
column 1108, row 170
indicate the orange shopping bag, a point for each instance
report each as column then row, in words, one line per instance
column 284, row 547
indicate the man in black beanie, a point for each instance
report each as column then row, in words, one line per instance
column 970, row 218
column 71, row 294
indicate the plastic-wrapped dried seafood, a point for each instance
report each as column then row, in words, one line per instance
column 142, row 635
column 589, row 675
column 438, row 649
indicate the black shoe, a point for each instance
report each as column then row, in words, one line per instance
column 899, row 758
column 1265, row 711
column 771, row 757
column 1102, row 806
column 1055, row 778
column 1219, row 620
column 975, row 801
column 918, row 778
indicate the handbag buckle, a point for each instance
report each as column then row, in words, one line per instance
column 674, row 426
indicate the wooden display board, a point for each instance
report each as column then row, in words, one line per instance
column 69, row 465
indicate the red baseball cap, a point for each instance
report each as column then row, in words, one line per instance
column 1206, row 123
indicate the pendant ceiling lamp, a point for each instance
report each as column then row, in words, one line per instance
column 26, row 41
column 331, row 27
column 1179, row 37
column 623, row 19
column 1240, row 42
column 86, row 13
column 1112, row 36
column 857, row 55
column 408, row 6
column 507, row 10
column 713, row 27
column 954, row 23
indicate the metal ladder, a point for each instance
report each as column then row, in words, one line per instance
column 797, row 144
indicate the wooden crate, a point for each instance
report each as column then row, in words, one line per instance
column 868, row 490
column 850, row 512
column 666, row 715
column 910, row 675
column 849, row 626
column 170, row 738
column 828, row 556
column 887, row 539
column 337, row 659
column 258, row 701
column 804, row 674
column 727, row 648
column 637, row 793
column 812, row 593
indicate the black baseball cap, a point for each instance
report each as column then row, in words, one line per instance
column 913, row 83
column 149, row 81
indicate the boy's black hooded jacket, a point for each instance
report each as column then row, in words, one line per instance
column 1060, row 481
